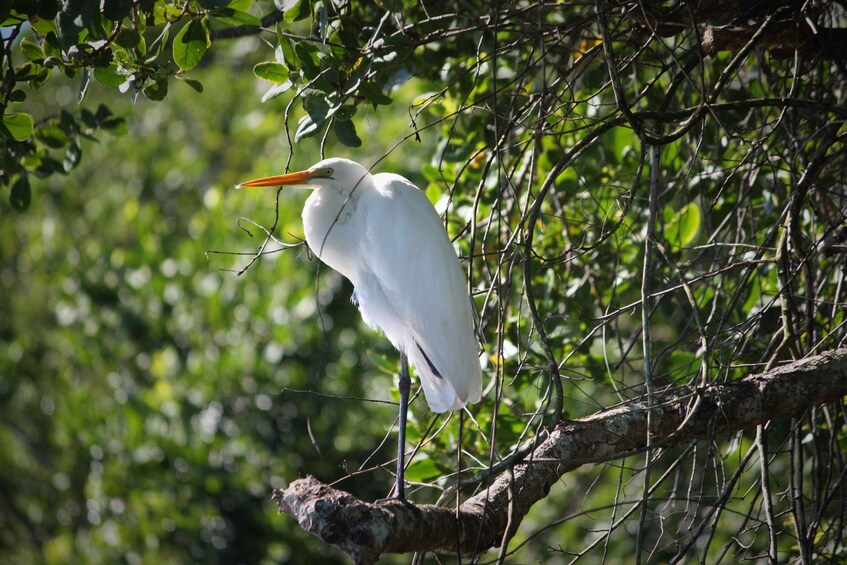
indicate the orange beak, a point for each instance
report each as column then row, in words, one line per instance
column 301, row 177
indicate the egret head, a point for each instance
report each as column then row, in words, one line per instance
column 342, row 175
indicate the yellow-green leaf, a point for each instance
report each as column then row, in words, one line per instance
column 345, row 131
column 20, row 195
column 276, row 73
column 109, row 76
column 32, row 50
column 191, row 43
column 19, row 125
column 684, row 225
column 423, row 469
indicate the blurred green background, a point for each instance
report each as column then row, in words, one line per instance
column 151, row 397
column 143, row 410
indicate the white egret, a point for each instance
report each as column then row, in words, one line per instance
column 381, row 232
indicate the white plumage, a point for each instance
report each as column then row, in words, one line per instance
column 383, row 234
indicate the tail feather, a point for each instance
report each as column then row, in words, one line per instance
column 438, row 391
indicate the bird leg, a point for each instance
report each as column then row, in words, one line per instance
column 405, row 384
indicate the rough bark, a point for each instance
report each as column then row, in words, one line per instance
column 367, row 530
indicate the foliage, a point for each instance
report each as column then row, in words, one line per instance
column 637, row 208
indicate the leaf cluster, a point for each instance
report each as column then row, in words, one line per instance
column 134, row 47
column 636, row 208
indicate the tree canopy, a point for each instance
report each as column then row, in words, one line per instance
column 649, row 203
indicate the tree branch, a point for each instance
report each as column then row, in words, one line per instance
column 731, row 25
column 367, row 530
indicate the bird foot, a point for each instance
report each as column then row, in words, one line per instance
column 392, row 499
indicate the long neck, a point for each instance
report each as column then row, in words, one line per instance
column 334, row 227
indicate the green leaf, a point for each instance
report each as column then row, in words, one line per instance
column 67, row 30
column 683, row 227
column 103, row 112
column 109, row 76
column 47, row 10
column 285, row 51
column 103, row 59
column 433, row 192
column 321, row 17
column 17, row 96
column 276, row 90
column 157, row 90
column 307, row 56
column 158, row 46
column 39, row 78
column 307, row 127
column 345, row 131
column 67, row 122
column 19, row 125
column 292, row 10
column 196, row 85
column 214, row 4
column 115, row 126
column 47, row 166
column 191, row 43
column 349, row 33
column 276, row 73
column 345, row 112
column 83, row 84
column 422, row 470
column 83, row 11
column 315, row 103
column 285, row 5
column 128, row 38
column 44, row 26
column 116, row 10
column 623, row 142
column 235, row 17
column 72, row 156
column 26, row 71
column 374, row 94
column 32, row 51
column 52, row 135
column 163, row 13
column 88, row 118
column 21, row 194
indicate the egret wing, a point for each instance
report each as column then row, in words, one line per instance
column 425, row 293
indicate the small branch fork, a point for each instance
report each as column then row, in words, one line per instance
column 367, row 530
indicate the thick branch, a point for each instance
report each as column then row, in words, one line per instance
column 365, row 530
